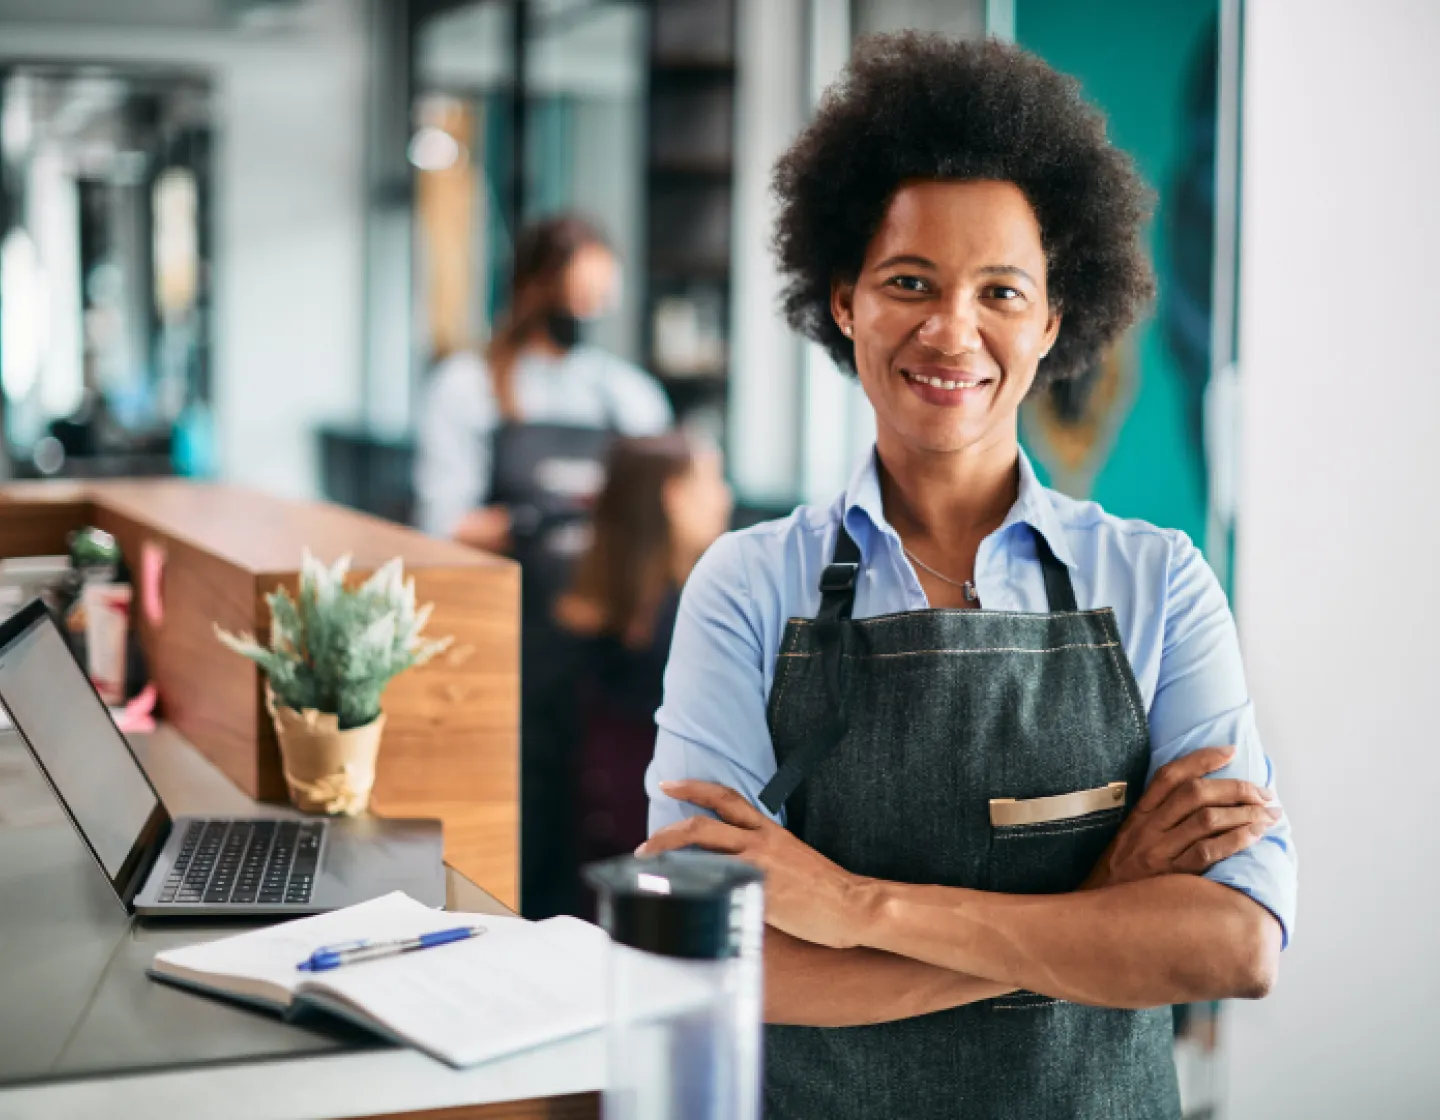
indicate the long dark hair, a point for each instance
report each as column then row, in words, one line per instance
column 625, row 573
column 543, row 250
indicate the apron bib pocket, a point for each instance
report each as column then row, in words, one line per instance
column 1051, row 857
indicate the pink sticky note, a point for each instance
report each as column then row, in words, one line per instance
column 139, row 714
column 152, row 575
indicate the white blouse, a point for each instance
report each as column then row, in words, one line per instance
column 586, row 387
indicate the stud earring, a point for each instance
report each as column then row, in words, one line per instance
column 845, row 330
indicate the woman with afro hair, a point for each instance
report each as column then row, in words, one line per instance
column 991, row 746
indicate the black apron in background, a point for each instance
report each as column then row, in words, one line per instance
column 892, row 735
column 547, row 476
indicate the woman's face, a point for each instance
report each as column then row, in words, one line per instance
column 591, row 282
column 698, row 504
column 949, row 315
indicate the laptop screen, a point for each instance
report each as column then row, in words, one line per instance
column 85, row 757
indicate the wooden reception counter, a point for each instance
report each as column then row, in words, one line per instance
column 207, row 554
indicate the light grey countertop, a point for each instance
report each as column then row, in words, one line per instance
column 84, row 1033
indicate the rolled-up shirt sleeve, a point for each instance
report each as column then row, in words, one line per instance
column 711, row 725
column 1201, row 700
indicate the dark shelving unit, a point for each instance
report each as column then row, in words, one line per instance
column 689, row 176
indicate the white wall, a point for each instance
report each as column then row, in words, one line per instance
column 290, row 246
column 1339, row 544
column 963, row 19
column 289, row 221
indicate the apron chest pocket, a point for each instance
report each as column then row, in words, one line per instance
column 1048, row 845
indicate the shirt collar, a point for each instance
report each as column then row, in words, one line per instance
column 1036, row 507
column 863, row 509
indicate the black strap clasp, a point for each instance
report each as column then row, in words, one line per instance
column 839, row 577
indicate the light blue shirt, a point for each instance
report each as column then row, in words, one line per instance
column 586, row 387
column 1174, row 622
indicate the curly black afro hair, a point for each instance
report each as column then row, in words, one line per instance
column 917, row 106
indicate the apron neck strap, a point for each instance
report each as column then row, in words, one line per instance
column 837, row 600
column 1058, row 589
column 838, row 580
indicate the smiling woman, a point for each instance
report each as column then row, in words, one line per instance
column 985, row 112
column 1009, row 798
column 948, row 348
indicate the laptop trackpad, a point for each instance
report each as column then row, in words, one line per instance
column 367, row 857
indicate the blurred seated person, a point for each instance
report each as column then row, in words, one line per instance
column 511, row 452
column 664, row 503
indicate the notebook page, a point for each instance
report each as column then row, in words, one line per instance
column 519, row 985
column 263, row 962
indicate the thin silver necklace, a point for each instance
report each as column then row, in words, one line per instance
column 967, row 586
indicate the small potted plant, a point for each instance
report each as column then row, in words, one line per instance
column 332, row 652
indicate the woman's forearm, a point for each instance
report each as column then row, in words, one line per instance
column 1172, row 939
column 811, row 985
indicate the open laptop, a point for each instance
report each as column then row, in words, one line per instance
column 187, row 866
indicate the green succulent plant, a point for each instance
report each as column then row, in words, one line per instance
column 334, row 649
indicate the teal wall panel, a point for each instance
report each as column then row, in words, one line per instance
column 1137, row 444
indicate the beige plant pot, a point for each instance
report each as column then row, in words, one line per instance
column 327, row 770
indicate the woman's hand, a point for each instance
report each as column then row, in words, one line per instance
column 806, row 895
column 487, row 528
column 1186, row 823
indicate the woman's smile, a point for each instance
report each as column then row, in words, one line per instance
column 946, row 387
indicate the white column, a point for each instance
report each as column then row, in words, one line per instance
column 831, row 400
column 54, row 220
column 765, row 365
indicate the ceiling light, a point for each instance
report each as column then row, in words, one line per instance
column 433, row 149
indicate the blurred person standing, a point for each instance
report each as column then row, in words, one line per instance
column 511, row 451
column 664, row 503
column 492, row 428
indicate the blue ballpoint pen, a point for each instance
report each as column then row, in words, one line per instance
column 333, row 956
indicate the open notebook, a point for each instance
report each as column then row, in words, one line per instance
column 520, row 984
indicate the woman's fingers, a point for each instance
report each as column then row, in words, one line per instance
column 1197, row 795
column 1205, row 854
column 1187, row 768
column 699, row 832
column 720, row 800
column 1212, row 821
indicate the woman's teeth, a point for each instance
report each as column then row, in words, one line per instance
column 941, row 383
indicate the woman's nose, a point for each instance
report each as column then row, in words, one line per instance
column 951, row 329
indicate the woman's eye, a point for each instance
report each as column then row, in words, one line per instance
column 913, row 284
column 1005, row 293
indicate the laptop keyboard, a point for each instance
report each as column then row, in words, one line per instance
column 245, row 862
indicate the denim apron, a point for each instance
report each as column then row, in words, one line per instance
column 911, row 747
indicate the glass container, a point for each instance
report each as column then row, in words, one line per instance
column 685, row 986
